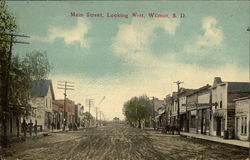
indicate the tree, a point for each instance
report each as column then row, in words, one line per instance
column 137, row 109
column 88, row 118
column 23, row 71
column 7, row 25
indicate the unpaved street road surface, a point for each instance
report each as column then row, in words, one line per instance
column 120, row 142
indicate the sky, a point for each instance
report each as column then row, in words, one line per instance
column 119, row 58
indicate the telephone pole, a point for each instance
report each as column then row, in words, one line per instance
column 153, row 113
column 178, row 106
column 248, row 29
column 6, row 74
column 65, row 85
column 100, row 118
column 89, row 103
column 96, row 114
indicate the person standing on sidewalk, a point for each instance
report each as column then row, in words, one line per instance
column 53, row 126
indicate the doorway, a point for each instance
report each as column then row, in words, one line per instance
column 237, row 129
column 218, row 128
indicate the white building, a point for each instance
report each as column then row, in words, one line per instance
column 42, row 95
column 242, row 106
column 223, row 115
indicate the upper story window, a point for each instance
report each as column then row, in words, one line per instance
column 244, row 125
column 220, row 104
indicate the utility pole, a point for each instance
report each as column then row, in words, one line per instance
column 103, row 98
column 96, row 114
column 65, row 85
column 100, row 112
column 248, row 29
column 153, row 110
column 178, row 105
column 6, row 82
column 90, row 102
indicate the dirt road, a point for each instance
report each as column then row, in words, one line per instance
column 119, row 142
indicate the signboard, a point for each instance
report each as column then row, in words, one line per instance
column 198, row 106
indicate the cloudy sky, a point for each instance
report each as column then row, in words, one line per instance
column 123, row 57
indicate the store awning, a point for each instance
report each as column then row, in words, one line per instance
column 160, row 114
column 157, row 117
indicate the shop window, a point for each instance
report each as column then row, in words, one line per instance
column 214, row 124
column 223, row 124
column 243, row 125
column 193, row 121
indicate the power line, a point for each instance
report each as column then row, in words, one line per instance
column 89, row 103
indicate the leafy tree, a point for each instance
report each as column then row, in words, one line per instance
column 23, row 71
column 88, row 116
column 7, row 25
column 137, row 109
column 32, row 67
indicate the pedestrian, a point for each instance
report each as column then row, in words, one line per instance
column 64, row 124
column 58, row 125
column 154, row 124
column 53, row 126
column 23, row 126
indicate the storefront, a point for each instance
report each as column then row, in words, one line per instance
column 191, row 118
column 218, row 122
column 204, row 117
column 242, row 118
column 161, row 118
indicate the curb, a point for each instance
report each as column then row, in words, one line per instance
column 235, row 145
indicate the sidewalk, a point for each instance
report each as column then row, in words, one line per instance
column 39, row 135
column 217, row 139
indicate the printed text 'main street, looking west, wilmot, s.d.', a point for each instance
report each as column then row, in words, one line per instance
column 122, row 15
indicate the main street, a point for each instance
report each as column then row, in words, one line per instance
column 119, row 142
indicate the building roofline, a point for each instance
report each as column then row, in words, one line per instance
column 242, row 98
column 207, row 86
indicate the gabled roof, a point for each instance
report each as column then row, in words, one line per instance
column 40, row 88
column 238, row 87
